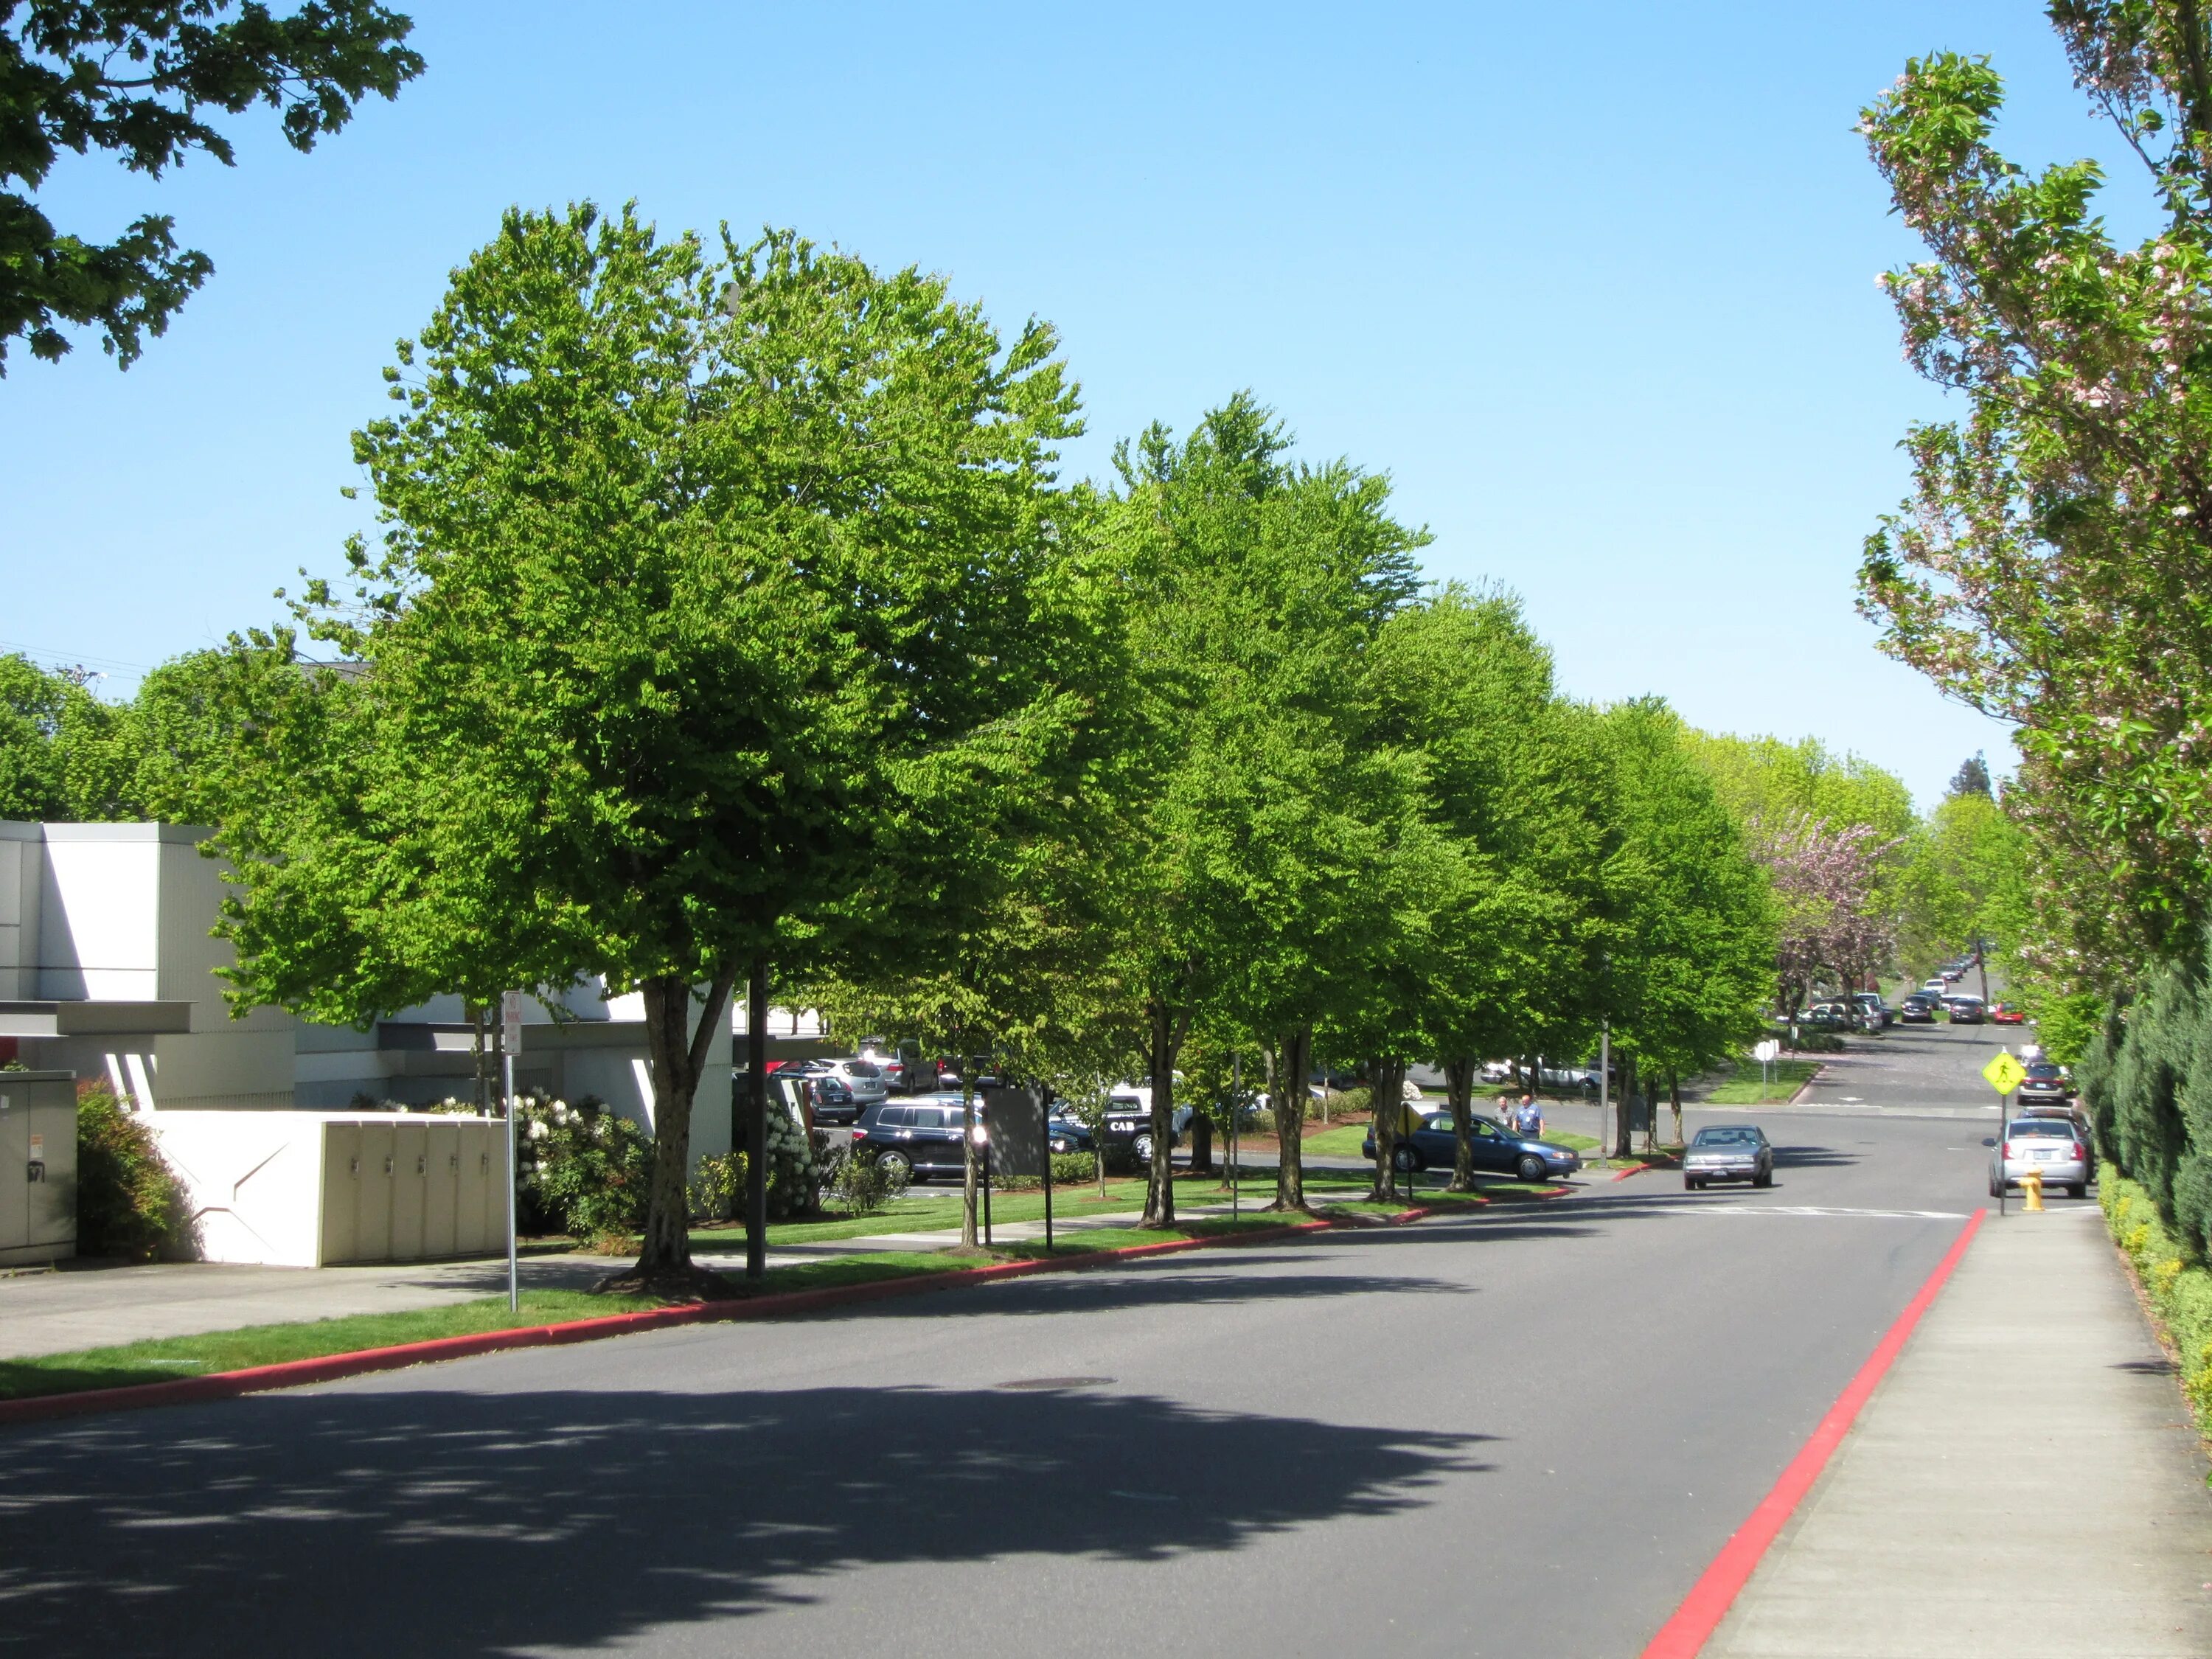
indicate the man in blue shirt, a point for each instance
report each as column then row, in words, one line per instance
column 1529, row 1120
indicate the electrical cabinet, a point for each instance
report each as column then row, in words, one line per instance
column 38, row 1167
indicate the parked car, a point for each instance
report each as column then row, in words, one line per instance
column 2045, row 1084
column 2004, row 1013
column 1129, row 1126
column 1938, row 986
column 1728, row 1151
column 1965, row 1011
column 834, row 1105
column 922, row 1137
column 1831, row 1015
column 863, row 1077
column 1875, row 1010
column 1066, row 1133
column 2055, row 1147
column 1918, row 1009
column 1496, row 1150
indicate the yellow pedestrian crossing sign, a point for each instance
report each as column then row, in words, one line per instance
column 2004, row 1073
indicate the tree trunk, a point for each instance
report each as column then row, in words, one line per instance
column 1623, row 1146
column 1289, row 1063
column 475, row 1012
column 1459, row 1090
column 1159, row 1188
column 678, row 1055
column 1674, row 1101
column 1386, row 1091
column 757, row 1122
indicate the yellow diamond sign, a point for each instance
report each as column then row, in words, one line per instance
column 2004, row 1073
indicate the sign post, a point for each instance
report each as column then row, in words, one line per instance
column 2003, row 1074
column 1765, row 1054
column 510, row 1040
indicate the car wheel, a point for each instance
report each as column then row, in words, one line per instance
column 1404, row 1159
column 1765, row 1178
column 891, row 1160
column 2079, row 1189
column 1531, row 1167
column 1691, row 1184
column 1141, row 1149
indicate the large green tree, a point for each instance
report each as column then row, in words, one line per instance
column 139, row 81
column 1257, row 584
column 1692, row 956
column 714, row 576
column 2050, row 566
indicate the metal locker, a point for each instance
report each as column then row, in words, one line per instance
column 410, row 1188
column 372, row 1236
column 441, row 1203
column 339, row 1226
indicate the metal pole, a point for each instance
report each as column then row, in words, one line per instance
column 756, row 1119
column 1236, row 1116
column 987, row 1190
column 1604, row 1081
column 1044, row 1116
column 507, row 1082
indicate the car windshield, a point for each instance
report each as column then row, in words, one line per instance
column 860, row 1068
column 2024, row 1126
column 2042, row 1069
column 1726, row 1138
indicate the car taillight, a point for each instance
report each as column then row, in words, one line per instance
column 2008, row 1149
column 860, row 1135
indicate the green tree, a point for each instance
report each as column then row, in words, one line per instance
column 138, row 79
column 1692, row 958
column 1257, row 584
column 33, row 706
column 715, row 579
column 2050, row 567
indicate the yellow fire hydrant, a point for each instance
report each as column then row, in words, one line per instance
column 2032, row 1184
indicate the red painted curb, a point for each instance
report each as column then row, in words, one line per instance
column 1685, row 1635
column 295, row 1373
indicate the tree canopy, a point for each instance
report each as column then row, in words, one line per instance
column 139, row 79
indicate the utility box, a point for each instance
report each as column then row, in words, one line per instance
column 1016, row 1121
column 38, row 1167
column 312, row 1189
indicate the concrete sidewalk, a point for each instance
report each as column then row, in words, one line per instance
column 46, row 1313
column 2027, row 1481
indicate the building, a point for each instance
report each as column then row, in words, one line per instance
column 108, row 968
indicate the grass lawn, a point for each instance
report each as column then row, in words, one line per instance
column 937, row 1212
column 1745, row 1088
column 168, row 1357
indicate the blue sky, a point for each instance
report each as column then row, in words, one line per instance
column 1594, row 284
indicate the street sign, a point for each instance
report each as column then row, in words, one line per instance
column 2004, row 1073
column 1770, row 1049
column 510, row 1021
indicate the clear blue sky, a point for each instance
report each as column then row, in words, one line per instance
column 1593, row 283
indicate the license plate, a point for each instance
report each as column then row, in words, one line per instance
column 2042, row 1157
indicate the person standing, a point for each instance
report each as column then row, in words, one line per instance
column 1529, row 1120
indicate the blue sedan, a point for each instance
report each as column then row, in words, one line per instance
column 1496, row 1150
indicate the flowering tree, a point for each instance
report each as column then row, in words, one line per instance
column 1825, row 882
column 2050, row 566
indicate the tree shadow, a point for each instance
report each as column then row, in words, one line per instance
column 1812, row 1157
column 1170, row 1282
column 450, row 1522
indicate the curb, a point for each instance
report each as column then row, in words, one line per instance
column 328, row 1368
column 1685, row 1635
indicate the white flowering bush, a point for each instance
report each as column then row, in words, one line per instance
column 580, row 1170
column 794, row 1176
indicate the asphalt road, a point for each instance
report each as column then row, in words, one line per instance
column 1522, row 1434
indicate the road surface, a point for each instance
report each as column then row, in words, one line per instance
column 1522, row 1434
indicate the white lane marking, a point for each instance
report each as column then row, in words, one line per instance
column 1814, row 1209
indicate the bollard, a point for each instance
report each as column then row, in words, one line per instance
column 2032, row 1184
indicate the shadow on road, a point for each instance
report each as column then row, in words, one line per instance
column 1156, row 1283
column 451, row 1523
column 1811, row 1157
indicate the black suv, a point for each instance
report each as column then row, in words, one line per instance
column 924, row 1136
column 1918, row 1009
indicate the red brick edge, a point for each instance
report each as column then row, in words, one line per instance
column 295, row 1373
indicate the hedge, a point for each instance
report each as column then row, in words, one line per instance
column 2180, row 1292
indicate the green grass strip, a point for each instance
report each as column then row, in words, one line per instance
column 1746, row 1088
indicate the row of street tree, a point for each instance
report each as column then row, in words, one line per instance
column 728, row 626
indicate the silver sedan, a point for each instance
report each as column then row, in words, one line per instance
column 2052, row 1147
column 1728, row 1151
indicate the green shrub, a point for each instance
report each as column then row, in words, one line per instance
column 128, row 1203
column 581, row 1169
column 718, row 1187
column 2180, row 1293
column 1070, row 1168
column 860, row 1185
